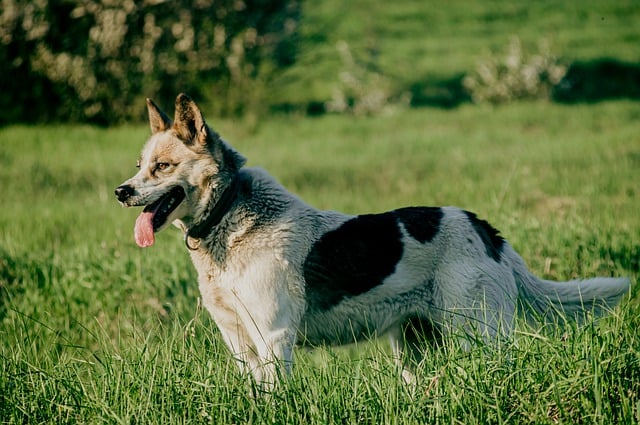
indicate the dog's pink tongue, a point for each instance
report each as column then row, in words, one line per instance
column 144, row 230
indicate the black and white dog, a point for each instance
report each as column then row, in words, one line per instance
column 274, row 271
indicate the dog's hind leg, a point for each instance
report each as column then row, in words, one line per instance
column 409, row 341
column 478, row 302
column 398, row 348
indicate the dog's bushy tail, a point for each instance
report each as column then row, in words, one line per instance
column 550, row 300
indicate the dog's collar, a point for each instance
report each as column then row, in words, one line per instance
column 219, row 210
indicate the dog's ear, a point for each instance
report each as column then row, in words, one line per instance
column 158, row 120
column 193, row 131
column 189, row 122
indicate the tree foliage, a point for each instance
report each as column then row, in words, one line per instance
column 95, row 60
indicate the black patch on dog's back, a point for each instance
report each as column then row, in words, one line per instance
column 352, row 259
column 490, row 236
column 422, row 223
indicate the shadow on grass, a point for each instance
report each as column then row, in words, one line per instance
column 598, row 80
column 585, row 82
column 439, row 92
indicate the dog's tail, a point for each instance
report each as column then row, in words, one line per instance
column 550, row 300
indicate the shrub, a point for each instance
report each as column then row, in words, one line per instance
column 515, row 75
column 95, row 60
column 363, row 90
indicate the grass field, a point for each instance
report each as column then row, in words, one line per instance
column 424, row 47
column 96, row 330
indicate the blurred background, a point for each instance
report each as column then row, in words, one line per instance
column 96, row 61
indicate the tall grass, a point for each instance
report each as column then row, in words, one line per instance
column 95, row 330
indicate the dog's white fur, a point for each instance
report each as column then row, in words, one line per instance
column 263, row 277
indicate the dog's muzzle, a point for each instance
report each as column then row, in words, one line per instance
column 124, row 192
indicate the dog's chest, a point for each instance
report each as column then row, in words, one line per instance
column 215, row 297
column 222, row 284
column 250, row 282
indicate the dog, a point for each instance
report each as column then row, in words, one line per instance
column 275, row 272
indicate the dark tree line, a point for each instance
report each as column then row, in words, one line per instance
column 95, row 61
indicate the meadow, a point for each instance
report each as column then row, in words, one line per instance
column 424, row 49
column 96, row 330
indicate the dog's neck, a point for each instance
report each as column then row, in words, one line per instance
column 214, row 216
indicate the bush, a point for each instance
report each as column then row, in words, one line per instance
column 95, row 60
column 516, row 75
column 362, row 89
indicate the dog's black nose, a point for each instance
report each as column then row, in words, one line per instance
column 124, row 192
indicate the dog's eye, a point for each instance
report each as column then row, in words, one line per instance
column 162, row 166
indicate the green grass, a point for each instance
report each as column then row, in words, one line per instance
column 418, row 44
column 96, row 330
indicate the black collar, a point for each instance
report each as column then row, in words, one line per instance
column 219, row 210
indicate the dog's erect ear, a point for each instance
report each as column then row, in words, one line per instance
column 193, row 131
column 158, row 120
column 189, row 122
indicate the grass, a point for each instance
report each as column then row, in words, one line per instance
column 422, row 47
column 95, row 330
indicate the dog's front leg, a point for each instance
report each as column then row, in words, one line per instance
column 264, row 353
column 275, row 352
column 238, row 342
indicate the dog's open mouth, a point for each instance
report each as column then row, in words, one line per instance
column 155, row 215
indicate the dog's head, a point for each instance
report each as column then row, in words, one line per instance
column 183, row 167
